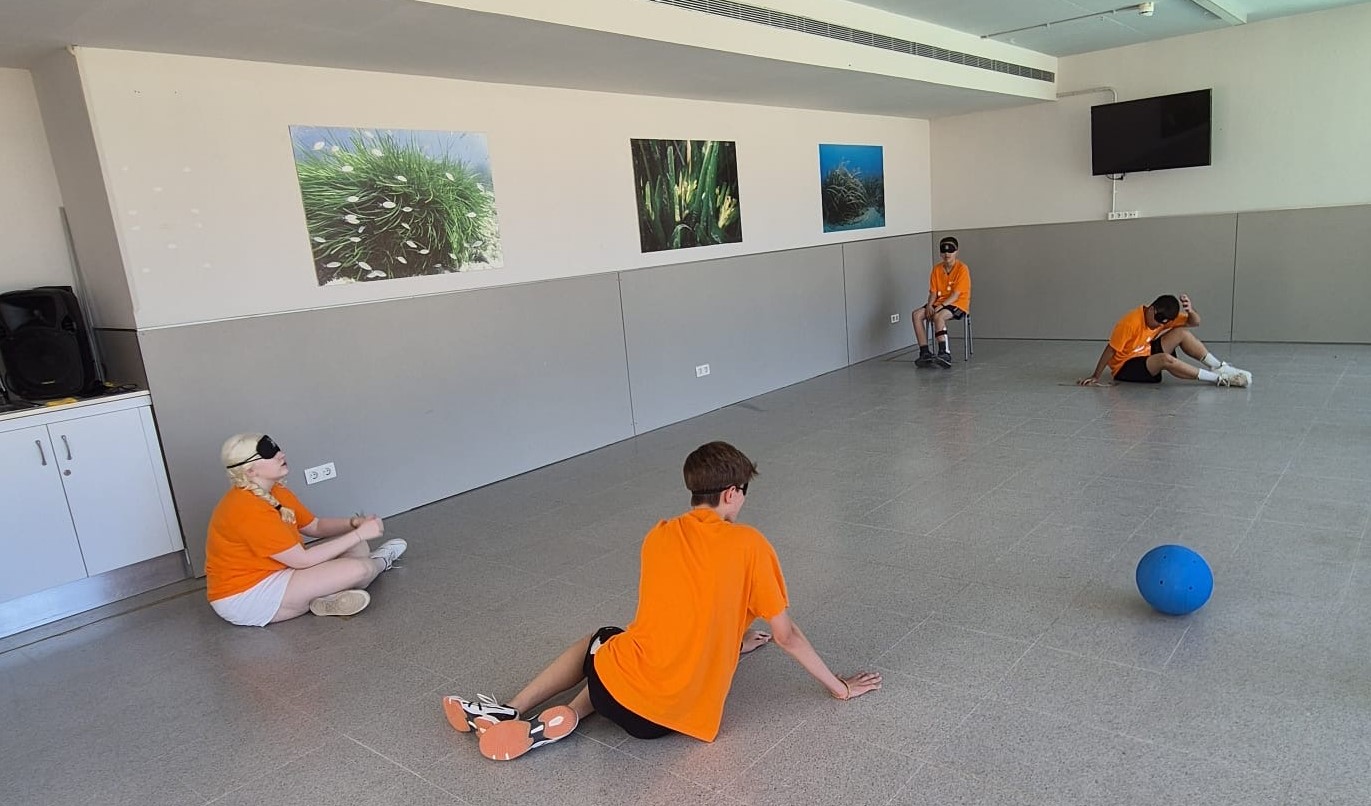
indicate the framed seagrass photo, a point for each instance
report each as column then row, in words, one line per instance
column 687, row 193
column 852, row 187
column 387, row 204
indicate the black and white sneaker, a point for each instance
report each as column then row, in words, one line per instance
column 478, row 715
column 944, row 359
column 925, row 358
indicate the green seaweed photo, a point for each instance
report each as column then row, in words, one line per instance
column 687, row 193
column 381, row 205
column 852, row 186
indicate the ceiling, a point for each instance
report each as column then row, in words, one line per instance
column 1099, row 31
column 419, row 38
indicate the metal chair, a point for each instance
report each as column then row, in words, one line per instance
column 968, row 339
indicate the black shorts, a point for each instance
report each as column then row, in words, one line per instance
column 957, row 313
column 604, row 702
column 1134, row 370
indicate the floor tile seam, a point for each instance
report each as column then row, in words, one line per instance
column 1177, row 648
column 876, row 661
column 1180, row 747
column 907, row 781
column 734, row 780
column 1362, row 546
column 289, row 759
column 1266, row 500
column 1108, row 661
column 401, row 766
column 1005, row 675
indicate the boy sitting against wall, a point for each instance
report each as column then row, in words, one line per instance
column 704, row 580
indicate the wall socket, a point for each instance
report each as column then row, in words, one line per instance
column 894, row 318
column 318, row 473
column 1122, row 214
column 702, row 370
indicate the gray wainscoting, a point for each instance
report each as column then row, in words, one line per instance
column 412, row 400
column 419, row 399
column 760, row 321
column 1074, row 281
column 1304, row 275
column 883, row 277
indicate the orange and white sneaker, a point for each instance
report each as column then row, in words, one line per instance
column 506, row 741
column 478, row 715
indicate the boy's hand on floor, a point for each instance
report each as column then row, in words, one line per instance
column 754, row 639
column 861, row 683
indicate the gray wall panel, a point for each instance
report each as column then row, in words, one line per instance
column 120, row 354
column 1074, row 281
column 1304, row 275
column 413, row 400
column 760, row 321
column 881, row 278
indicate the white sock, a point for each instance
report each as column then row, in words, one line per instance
column 1209, row 377
column 1212, row 362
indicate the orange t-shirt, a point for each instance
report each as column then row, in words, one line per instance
column 244, row 533
column 943, row 284
column 1132, row 338
column 703, row 581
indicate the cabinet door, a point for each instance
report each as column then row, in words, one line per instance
column 37, row 540
column 111, row 485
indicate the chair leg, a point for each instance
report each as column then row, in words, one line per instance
column 968, row 349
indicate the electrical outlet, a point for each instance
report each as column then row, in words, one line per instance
column 1122, row 214
column 318, row 473
column 894, row 318
column 702, row 370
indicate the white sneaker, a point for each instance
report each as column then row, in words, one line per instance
column 342, row 603
column 390, row 551
column 1230, row 375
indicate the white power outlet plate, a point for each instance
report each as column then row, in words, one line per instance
column 1122, row 214
column 702, row 370
column 318, row 473
column 894, row 318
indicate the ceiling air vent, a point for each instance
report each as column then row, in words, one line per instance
column 842, row 33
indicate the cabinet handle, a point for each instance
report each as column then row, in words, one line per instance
column 66, row 445
column 43, row 457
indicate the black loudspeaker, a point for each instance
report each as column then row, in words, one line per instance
column 44, row 344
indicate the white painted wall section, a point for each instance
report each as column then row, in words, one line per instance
column 34, row 249
column 207, row 206
column 691, row 27
column 1291, row 124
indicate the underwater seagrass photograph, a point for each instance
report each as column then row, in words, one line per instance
column 852, row 184
column 383, row 204
column 687, row 192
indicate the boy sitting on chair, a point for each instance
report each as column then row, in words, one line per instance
column 1144, row 342
column 704, row 579
column 949, row 297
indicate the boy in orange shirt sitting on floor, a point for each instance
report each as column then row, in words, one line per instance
column 1144, row 342
column 704, row 580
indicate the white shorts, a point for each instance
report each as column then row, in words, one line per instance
column 255, row 606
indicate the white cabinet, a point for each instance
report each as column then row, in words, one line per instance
column 37, row 541
column 85, row 491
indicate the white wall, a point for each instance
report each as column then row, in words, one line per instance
column 201, row 175
column 1292, row 123
column 33, row 250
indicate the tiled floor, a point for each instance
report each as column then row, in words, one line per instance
column 972, row 533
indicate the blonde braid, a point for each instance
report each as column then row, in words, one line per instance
column 242, row 482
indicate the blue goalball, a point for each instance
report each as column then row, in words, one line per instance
column 1174, row 580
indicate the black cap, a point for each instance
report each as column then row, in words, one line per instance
column 948, row 241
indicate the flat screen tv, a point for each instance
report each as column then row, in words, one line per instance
column 1150, row 134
